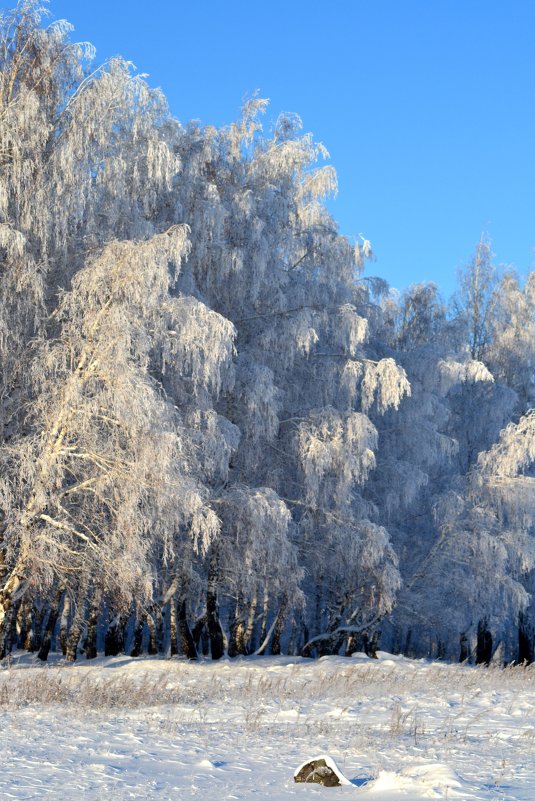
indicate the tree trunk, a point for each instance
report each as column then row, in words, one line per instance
column 64, row 624
column 318, row 609
column 484, row 644
column 407, row 649
column 5, row 628
column 525, row 642
column 11, row 638
column 173, row 627
column 292, row 647
column 248, row 634
column 50, row 626
column 92, row 623
column 187, row 640
column 152, row 625
column 115, row 636
column 79, row 620
column 236, row 646
column 137, row 645
column 24, row 622
column 279, row 626
column 33, row 634
column 332, row 644
column 264, row 620
column 155, row 625
column 215, row 632
column 13, row 590
column 371, row 644
column 197, row 631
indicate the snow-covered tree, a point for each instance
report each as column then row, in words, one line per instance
column 476, row 298
column 423, row 486
column 511, row 353
column 103, row 474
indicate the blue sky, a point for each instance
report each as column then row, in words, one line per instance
column 426, row 106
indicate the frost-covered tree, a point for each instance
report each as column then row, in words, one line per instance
column 102, row 477
column 476, row 298
column 511, row 353
column 423, row 486
column 489, row 537
column 267, row 255
column 84, row 156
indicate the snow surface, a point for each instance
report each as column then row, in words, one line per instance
column 114, row 729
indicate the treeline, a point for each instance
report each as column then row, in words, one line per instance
column 217, row 434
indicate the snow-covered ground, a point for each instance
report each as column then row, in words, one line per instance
column 120, row 728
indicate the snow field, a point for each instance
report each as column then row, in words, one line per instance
column 118, row 729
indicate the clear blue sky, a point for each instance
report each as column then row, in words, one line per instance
column 426, row 106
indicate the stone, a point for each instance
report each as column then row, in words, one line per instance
column 321, row 770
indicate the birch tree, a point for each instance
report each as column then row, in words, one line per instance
column 102, row 475
column 476, row 298
column 511, row 354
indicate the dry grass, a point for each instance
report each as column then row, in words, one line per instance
column 252, row 685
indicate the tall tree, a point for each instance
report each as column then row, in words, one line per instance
column 101, row 475
column 476, row 298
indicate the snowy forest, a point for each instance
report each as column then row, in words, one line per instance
column 219, row 434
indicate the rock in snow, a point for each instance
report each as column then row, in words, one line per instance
column 321, row 770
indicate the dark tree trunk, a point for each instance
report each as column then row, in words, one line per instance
column 46, row 641
column 12, row 633
column 278, row 629
column 318, row 610
column 173, row 627
column 155, row 626
column 24, row 620
column 92, row 623
column 525, row 642
column 5, row 633
column 27, row 642
column 115, row 636
column 64, row 625
column 248, row 634
column 215, row 632
column 370, row 644
column 484, row 644
column 331, row 644
column 236, row 646
column 78, row 621
column 187, row 640
column 137, row 645
column 11, row 596
column 197, row 631
column 407, row 649
column 33, row 633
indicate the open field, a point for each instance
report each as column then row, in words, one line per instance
column 120, row 728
